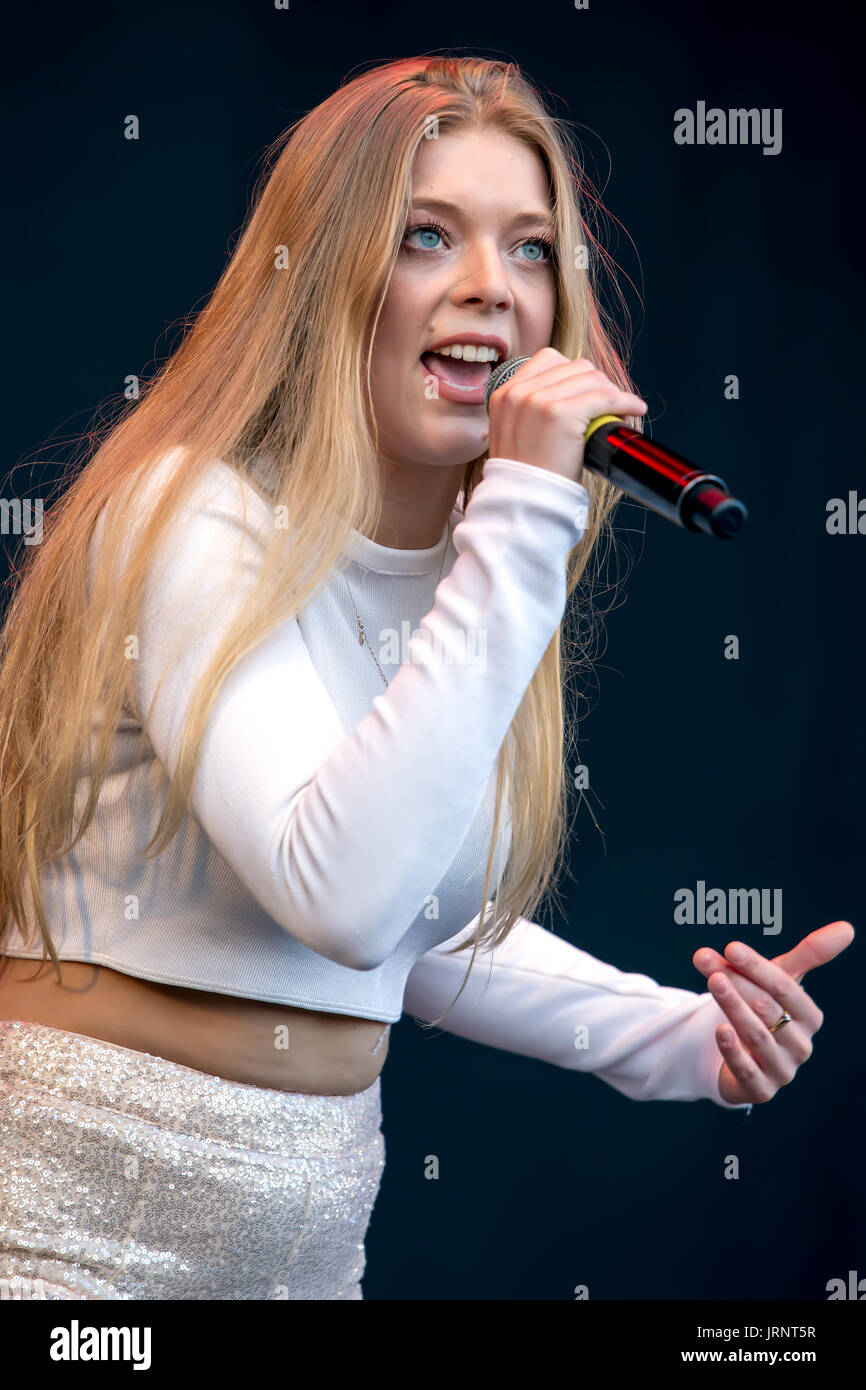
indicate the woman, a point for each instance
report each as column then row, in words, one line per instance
column 248, row 811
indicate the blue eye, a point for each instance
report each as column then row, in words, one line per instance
column 546, row 248
column 435, row 229
column 428, row 229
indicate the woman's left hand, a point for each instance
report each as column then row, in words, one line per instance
column 754, row 992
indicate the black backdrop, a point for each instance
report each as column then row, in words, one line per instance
column 743, row 772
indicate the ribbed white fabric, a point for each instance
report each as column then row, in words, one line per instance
column 541, row 997
column 339, row 830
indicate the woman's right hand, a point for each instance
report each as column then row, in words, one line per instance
column 539, row 416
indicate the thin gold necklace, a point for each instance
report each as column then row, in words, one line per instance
column 363, row 639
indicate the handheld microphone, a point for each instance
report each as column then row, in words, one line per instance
column 648, row 472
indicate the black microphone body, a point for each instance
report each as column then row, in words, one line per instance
column 649, row 472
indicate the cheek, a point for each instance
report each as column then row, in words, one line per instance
column 404, row 318
column 541, row 314
column 392, row 370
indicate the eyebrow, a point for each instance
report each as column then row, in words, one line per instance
column 521, row 219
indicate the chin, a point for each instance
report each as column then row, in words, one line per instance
column 453, row 449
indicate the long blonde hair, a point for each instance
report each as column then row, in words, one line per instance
column 251, row 377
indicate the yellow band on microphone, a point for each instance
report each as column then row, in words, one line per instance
column 600, row 420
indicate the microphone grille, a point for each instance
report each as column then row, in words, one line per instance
column 500, row 374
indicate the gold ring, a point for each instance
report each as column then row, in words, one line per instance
column 786, row 1018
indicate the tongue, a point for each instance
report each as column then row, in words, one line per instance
column 455, row 370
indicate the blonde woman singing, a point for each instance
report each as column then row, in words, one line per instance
column 281, row 722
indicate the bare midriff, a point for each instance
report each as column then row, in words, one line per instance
column 271, row 1045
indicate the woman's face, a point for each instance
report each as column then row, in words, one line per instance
column 482, row 275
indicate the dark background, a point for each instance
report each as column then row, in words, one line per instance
column 742, row 773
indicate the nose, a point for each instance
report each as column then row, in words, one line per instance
column 481, row 277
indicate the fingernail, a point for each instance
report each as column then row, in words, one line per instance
column 737, row 953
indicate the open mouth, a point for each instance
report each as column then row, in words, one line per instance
column 456, row 371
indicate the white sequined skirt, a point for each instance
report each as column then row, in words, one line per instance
column 126, row 1176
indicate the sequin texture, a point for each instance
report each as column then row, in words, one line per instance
column 127, row 1176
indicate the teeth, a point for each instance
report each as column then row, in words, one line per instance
column 470, row 352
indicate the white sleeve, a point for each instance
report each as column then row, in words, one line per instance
column 539, row 996
column 341, row 839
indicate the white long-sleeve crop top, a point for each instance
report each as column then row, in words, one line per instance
column 338, row 831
